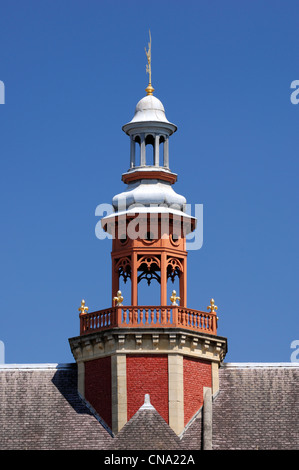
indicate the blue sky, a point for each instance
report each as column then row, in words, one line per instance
column 73, row 73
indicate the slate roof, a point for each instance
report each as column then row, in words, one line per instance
column 256, row 408
column 146, row 430
column 40, row 409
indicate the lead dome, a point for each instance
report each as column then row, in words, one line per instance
column 149, row 108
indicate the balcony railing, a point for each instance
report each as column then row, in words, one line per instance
column 148, row 316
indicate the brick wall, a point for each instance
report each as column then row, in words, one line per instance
column 98, row 387
column 147, row 374
column 197, row 374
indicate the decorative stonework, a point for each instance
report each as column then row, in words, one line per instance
column 177, row 344
column 168, row 341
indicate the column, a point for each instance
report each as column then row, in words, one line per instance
column 176, row 392
column 134, row 280
column 119, row 391
column 115, row 281
column 132, row 152
column 163, row 285
column 166, row 152
column 183, row 284
column 207, row 419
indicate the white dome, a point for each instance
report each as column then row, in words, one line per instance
column 147, row 193
column 149, row 108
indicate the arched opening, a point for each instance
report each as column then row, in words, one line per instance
column 150, row 150
column 125, row 288
column 174, row 273
column 123, row 269
column 149, row 280
column 137, row 150
column 173, row 284
column 149, row 294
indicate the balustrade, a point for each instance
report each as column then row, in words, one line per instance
column 148, row 316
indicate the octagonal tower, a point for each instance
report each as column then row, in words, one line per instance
column 169, row 351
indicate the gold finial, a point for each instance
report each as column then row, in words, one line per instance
column 149, row 89
column 83, row 309
column 212, row 306
column 174, row 298
column 119, row 298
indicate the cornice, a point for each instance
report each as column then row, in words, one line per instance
column 148, row 341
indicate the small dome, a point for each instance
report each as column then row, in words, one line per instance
column 149, row 108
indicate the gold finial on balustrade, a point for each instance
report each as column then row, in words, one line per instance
column 212, row 306
column 119, row 298
column 174, row 298
column 83, row 309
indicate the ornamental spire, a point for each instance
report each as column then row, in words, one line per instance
column 149, row 89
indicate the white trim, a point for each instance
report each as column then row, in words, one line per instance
column 255, row 365
column 36, row 366
column 225, row 365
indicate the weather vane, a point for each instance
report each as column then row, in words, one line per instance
column 149, row 89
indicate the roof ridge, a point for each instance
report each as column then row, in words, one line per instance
column 243, row 365
column 96, row 415
column 37, row 366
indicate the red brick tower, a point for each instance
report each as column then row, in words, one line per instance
column 168, row 351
